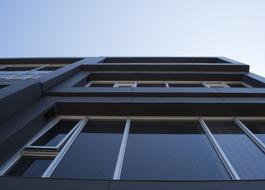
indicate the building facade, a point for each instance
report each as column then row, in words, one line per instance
column 131, row 123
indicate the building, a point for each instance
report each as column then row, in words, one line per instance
column 131, row 123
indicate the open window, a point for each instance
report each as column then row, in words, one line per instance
column 35, row 158
column 55, row 135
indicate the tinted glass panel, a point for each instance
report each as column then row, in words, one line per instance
column 94, row 153
column 18, row 68
column 257, row 127
column 150, row 85
column 3, row 86
column 236, row 85
column 54, row 135
column 245, row 156
column 185, row 85
column 216, row 85
column 29, row 167
column 101, row 85
column 125, row 84
column 158, row 150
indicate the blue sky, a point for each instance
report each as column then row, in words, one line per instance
column 48, row 28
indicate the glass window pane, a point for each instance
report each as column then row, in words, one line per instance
column 29, row 167
column 101, row 84
column 170, row 150
column 245, row 156
column 257, row 127
column 125, row 84
column 183, row 85
column 3, row 86
column 54, row 135
column 94, row 153
column 216, row 84
column 236, row 85
column 151, row 85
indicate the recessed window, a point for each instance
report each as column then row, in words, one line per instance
column 125, row 84
column 216, row 84
column 184, row 85
column 29, row 167
column 236, row 85
column 154, row 60
column 170, row 150
column 151, row 84
column 245, row 156
column 101, row 84
column 94, row 153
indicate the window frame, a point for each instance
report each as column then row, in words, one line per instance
column 204, row 84
column 120, row 157
column 119, row 84
column 38, row 152
column 47, row 128
column 32, row 73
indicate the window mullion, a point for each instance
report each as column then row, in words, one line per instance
column 88, row 84
column 225, row 85
column 119, row 163
column 250, row 135
column 231, row 170
column 205, row 84
column 116, row 84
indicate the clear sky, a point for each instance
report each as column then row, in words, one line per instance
column 54, row 28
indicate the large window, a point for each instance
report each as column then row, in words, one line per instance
column 144, row 148
column 170, row 150
column 94, row 153
column 245, row 156
column 169, row 84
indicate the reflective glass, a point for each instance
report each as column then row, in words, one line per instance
column 29, row 167
column 257, row 127
column 170, row 150
column 94, row 153
column 245, row 156
column 54, row 135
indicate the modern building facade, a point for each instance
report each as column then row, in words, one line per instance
column 131, row 123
